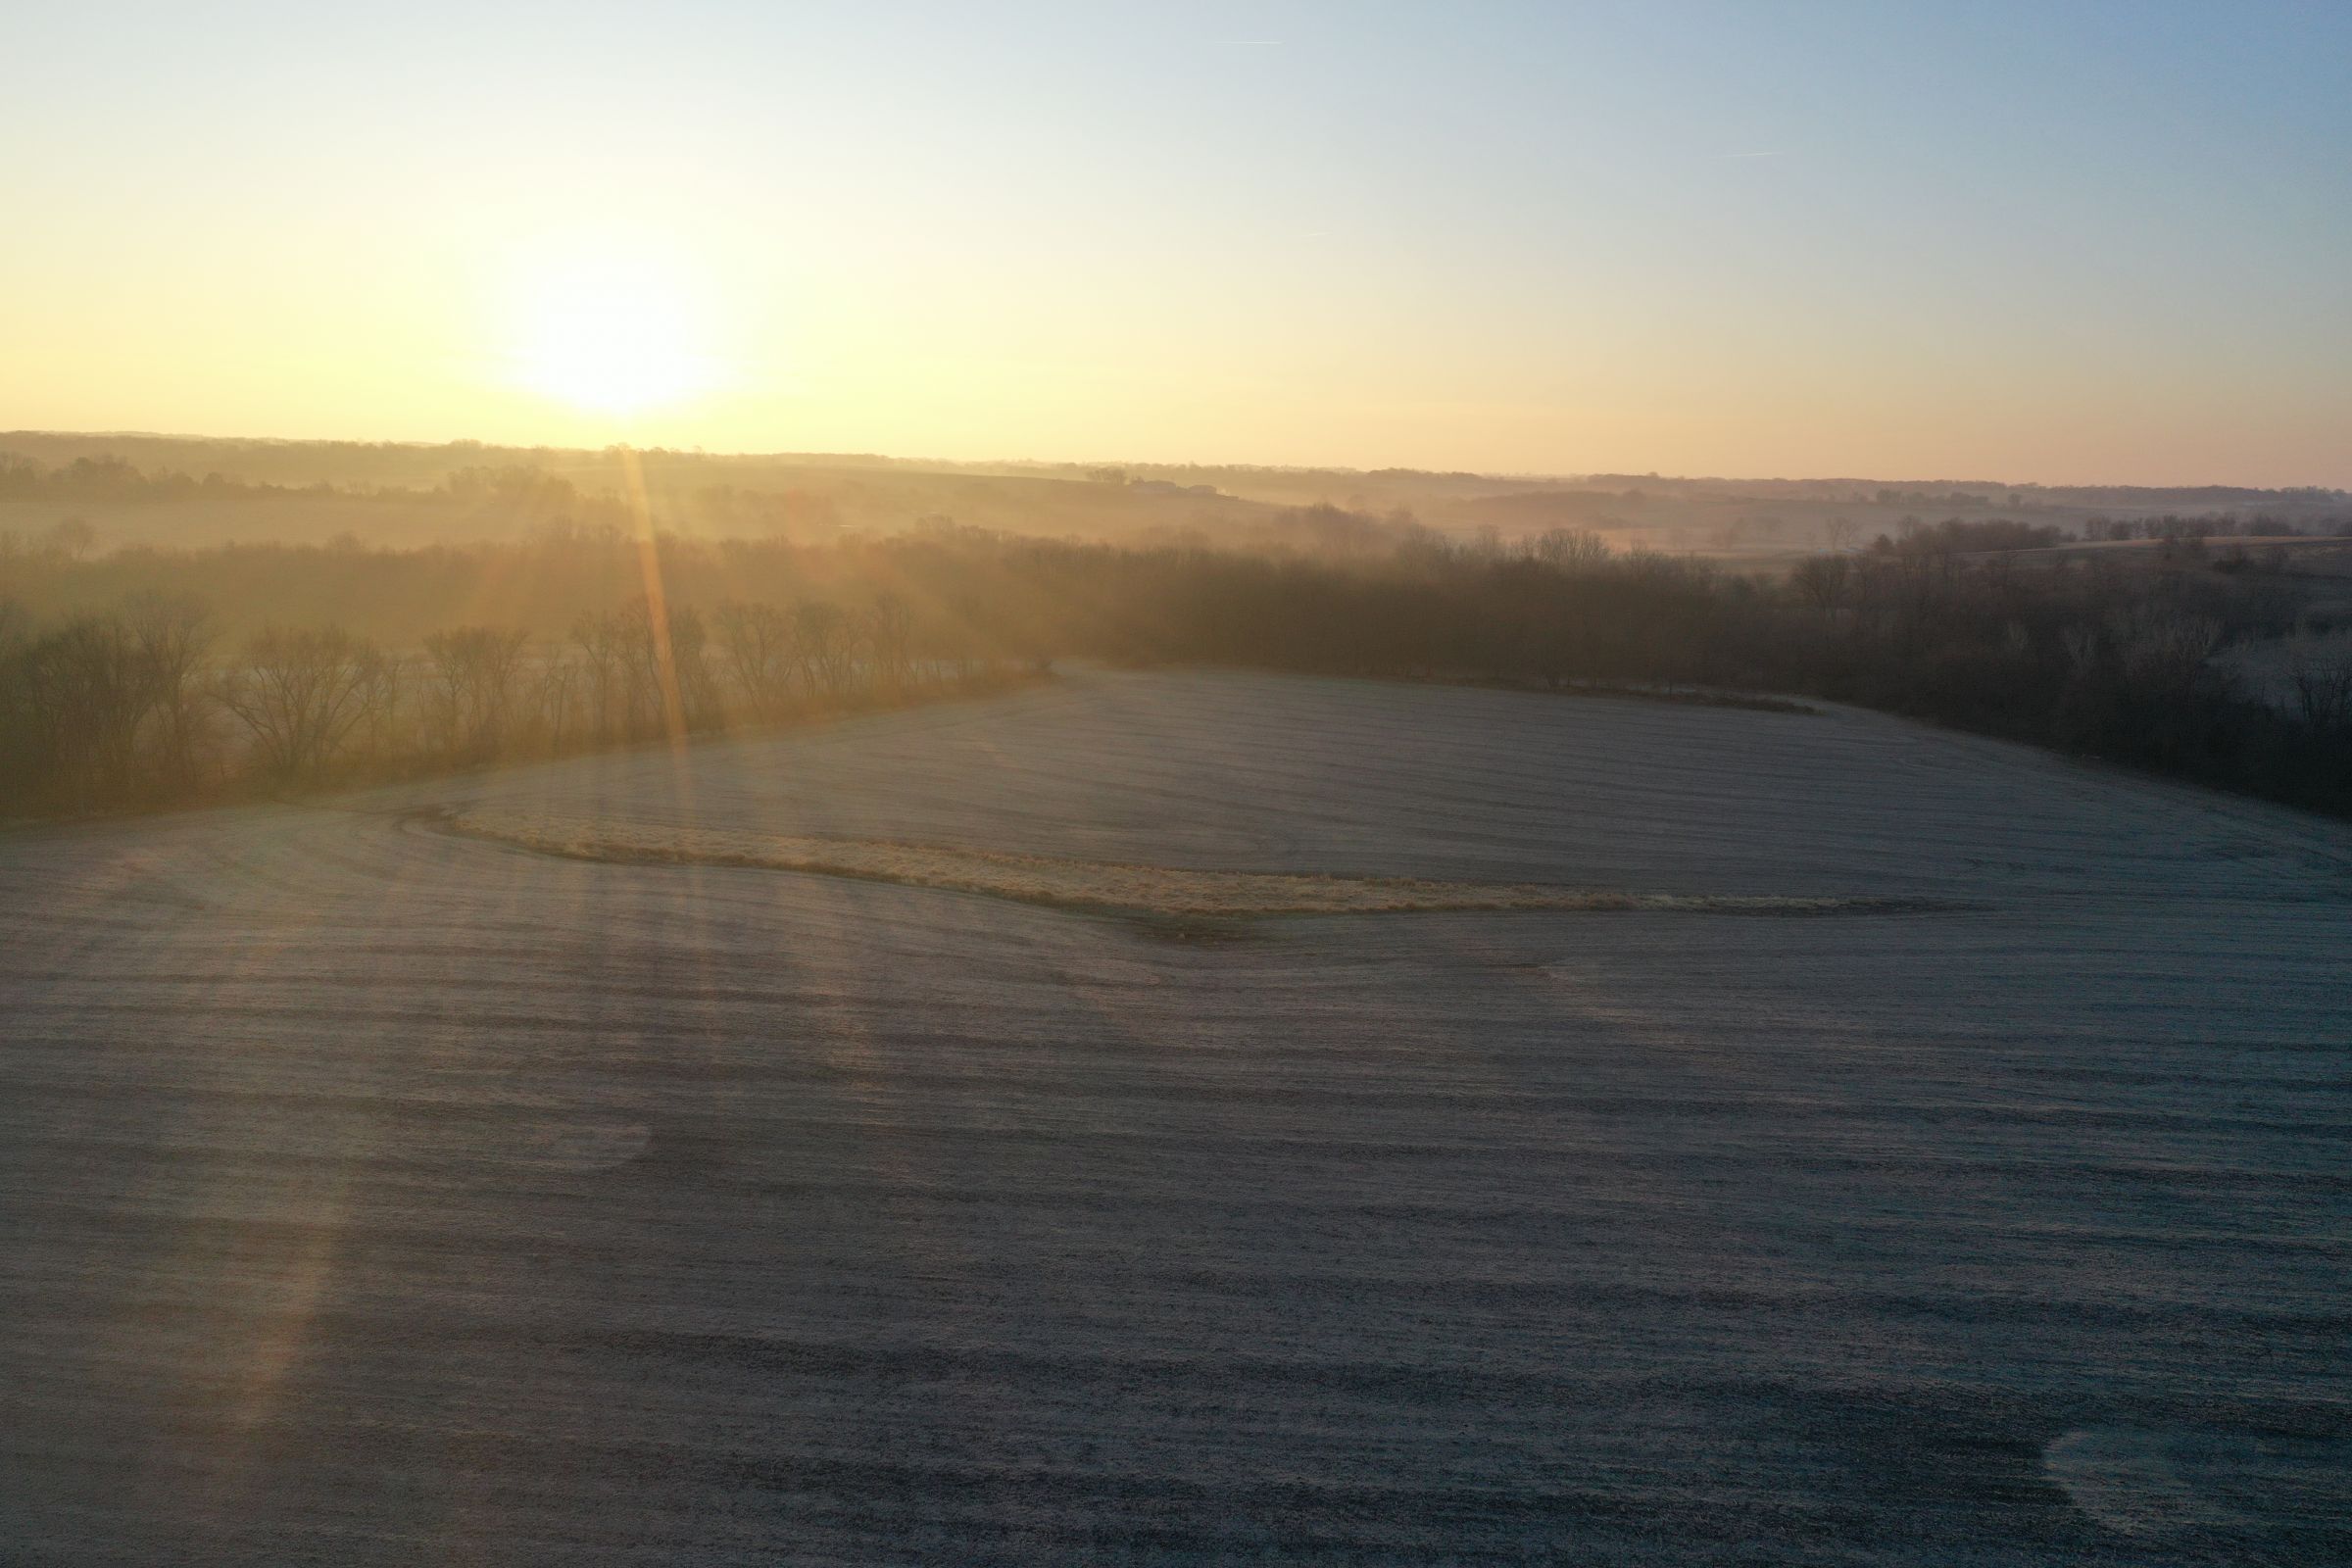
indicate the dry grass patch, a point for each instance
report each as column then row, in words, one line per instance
column 1101, row 885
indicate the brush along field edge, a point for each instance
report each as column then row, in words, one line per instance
column 1102, row 885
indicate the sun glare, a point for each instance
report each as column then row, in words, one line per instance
column 611, row 333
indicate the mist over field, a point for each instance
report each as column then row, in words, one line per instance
column 1256, row 782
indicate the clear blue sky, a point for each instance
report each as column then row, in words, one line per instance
column 2020, row 241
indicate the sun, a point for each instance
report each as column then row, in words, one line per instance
column 611, row 332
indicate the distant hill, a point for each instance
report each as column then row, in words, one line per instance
column 137, row 488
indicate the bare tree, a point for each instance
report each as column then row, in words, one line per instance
column 380, row 732
column 686, row 639
column 302, row 694
column 890, row 638
column 2164, row 651
column 2321, row 671
column 821, row 643
column 603, row 668
column 556, row 701
column 87, row 692
column 757, row 644
column 472, row 672
column 667, row 681
column 72, row 538
column 1571, row 550
column 1824, row 580
column 173, row 634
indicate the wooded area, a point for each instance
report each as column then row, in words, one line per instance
column 143, row 676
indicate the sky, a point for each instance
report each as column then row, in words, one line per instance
column 2037, row 242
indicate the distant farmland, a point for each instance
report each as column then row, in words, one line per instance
column 373, row 1193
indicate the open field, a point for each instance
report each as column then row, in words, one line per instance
column 373, row 1193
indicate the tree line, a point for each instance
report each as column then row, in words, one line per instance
column 108, row 477
column 143, row 676
column 147, row 705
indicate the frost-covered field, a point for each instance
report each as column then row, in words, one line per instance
column 371, row 1193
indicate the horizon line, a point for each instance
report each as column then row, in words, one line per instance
column 1505, row 475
